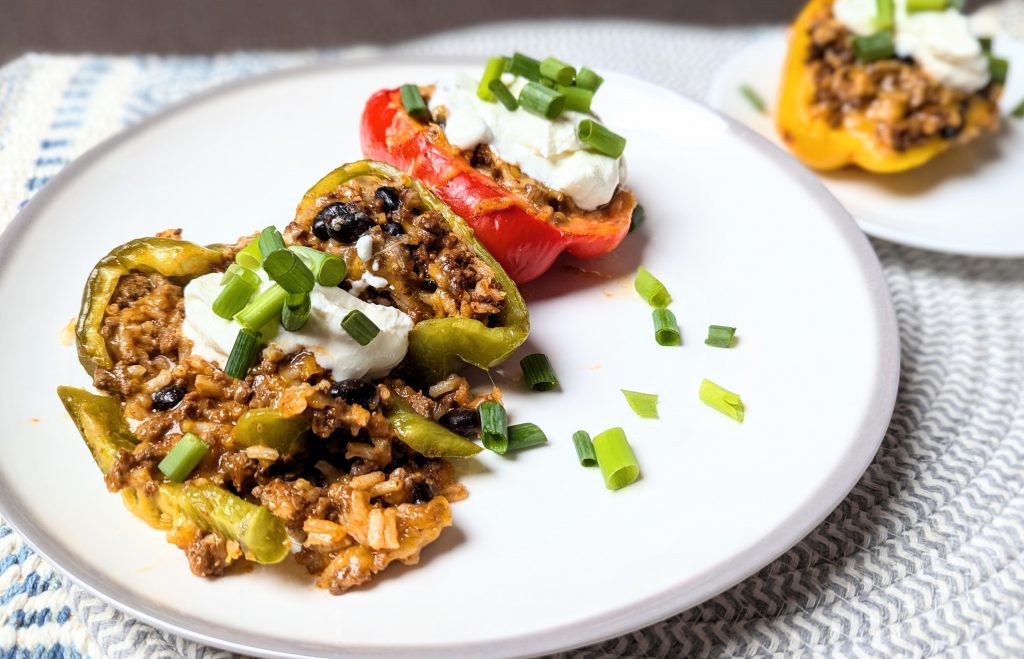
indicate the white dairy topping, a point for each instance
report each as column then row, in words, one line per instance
column 940, row 41
column 545, row 150
column 364, row 247
column 213, row 336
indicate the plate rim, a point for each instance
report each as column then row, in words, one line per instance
column 609, row 624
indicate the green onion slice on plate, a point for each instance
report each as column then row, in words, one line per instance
column 666, row 329
column 754, row 98
column 584, row 448
column 616, row 459
column 525, row 435
column 651, row 289
column 720, row 336
column 723, row 400
column 493, row 426
column 183, row 458
column 538, row 372
column 645, row 405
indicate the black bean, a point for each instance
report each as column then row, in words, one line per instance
column 322, row 223
column 429, row 285
column 462, row 420
column 392, row 228
column 949, row 132
column 168, row 397
column 320, row 229
column 348, row 226
column 355, row 392
column 389, row 199
column 421, row 492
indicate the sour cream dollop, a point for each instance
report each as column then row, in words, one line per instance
column 544, row 150
column 940, row 41
column 213, row 336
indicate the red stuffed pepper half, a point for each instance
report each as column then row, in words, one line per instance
column 517, row 153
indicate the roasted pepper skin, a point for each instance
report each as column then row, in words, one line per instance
column 505, row 221
column 820, row 146
column 440, row 346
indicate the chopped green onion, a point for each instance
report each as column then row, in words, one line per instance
column 986, row 44
column 557, row 70
column 650, row 289
column 413, row 103
column 183, row 458
column 235, row 295
column 541, row 101
column 359, row 327
column 600, row 139
column 616, row 459
column 270, row 242
column 584, row 448
column 754, row 98
column 250, row 256
column 328, row 269
column 525, row 435
column 914, row 6
column 998, row 68
column 501, row 92
column 723, row 400
column 720, row 336
column 666, row 329
column 874, row 47
column 236, row 270
column 493, row 426
column 295, row 312
column 1018, row 112
column 524, row 67
column 538, row 372
column 289, row 271
column 243, row 353
column 587, row 79
column 637, row 218
column 495, row 67
column 885, row 13
column 645, row 405
column 576, row 98
column 958, row 5
column 264, row 308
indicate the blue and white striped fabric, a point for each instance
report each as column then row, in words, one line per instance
column 924, row 558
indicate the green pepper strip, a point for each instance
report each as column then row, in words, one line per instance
column 266, row 427
column 440, row 346
column 426, row 437
column 171, row 258
column 259, row 533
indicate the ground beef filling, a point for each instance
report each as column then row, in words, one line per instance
column 430, row 271
column 906, row 104
column 354, row 500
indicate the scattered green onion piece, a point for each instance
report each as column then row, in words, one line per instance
column 986, row 44
column 874, row 47
column 495, row 67
column 587, row 79
column 243, row 353
column 723, row 400
column 666, row 329
column 524, row 67
column 557, row 70
column 183, row 458
column 270, row 242
column 541, row 101
column 720, row 336
column 754, row 98
column 600, row 139
column 616, row 458
column 1018, row 112
column 998, row 68
column 525, row 435
column 328, row 269
column 295, row 312
column 250, row 256
column 502, row 93
column 235, row 295
column 958, row 5
column 413, row 103
column 650, row 289
column 914, row 6
column 637, row 218
column 645, row 405
column 576, row 98
column 584, row 448
column 885, row 14
column 263, row 309
column 493, row 426
column 359, row 327
column 236, row 270
column 550, row 84
column 289, row 271
column 538, row 372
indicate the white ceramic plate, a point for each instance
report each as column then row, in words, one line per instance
column 966, row 201
column 541, row 556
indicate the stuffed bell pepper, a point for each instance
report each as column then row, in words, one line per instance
column 517, row 153
column 297, row 393
column 885, row 85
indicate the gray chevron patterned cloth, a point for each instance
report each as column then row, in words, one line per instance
column 923, row 558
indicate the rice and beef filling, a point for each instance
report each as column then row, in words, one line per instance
column 356, row 498
column 907, row 105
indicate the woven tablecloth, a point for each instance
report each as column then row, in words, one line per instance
column 923, row 558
